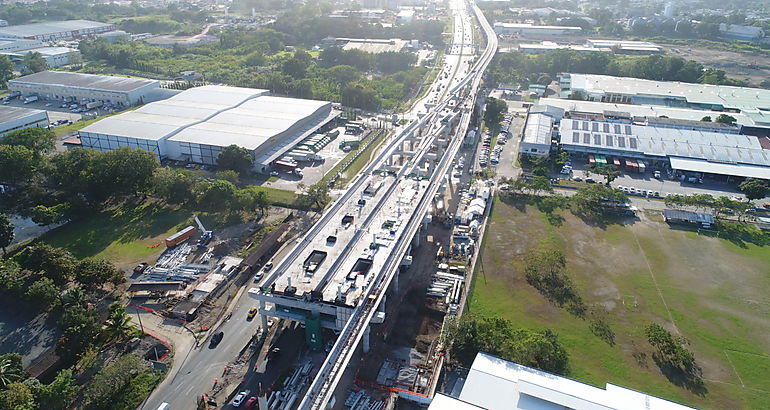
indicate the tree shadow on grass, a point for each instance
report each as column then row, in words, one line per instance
column 740, row 234
column 122, row 224
column 691, row 380
column 603, row 220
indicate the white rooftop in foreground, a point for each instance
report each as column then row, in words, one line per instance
column 497, row 384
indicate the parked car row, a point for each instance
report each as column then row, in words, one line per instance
column 641, row 192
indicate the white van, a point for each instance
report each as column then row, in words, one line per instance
column 164, row 406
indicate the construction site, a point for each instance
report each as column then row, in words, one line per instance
column 406, row 354
column 194, row 272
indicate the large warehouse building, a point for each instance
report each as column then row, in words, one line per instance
column 604, row 88
column 56, row 30
column 529, row 30
column 198, row 123
column 17, row 118
column 60, row 85
column 667, row 138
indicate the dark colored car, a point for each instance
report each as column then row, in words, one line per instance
column 217, row 338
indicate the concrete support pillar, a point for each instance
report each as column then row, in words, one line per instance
column 416, row 240
column 263, row 317
column 366, row 339
column 381, row 307
column 394, row 282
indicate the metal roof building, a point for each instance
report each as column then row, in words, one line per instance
column 523, row 29
column 56, row 30
column 686, row 149
column 196, row 124
column 17, row 118
column 536, row 138
column 497, row 384
column 58, row 85
column 606, row 88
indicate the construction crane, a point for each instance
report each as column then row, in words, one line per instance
column 206, row 235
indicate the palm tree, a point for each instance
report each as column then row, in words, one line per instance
column 118, row 324
column 76, row 296
column 9, row 371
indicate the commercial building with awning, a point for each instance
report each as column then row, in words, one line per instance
column 720, row 168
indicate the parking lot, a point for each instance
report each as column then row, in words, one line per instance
column 647, row 185
column 312, row 172
column 59, row 110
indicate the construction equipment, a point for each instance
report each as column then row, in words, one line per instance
column 206, row 235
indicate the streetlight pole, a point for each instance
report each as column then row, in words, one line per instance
column 141, row 326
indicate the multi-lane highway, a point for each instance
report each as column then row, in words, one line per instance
column 403, row 198
column 462, row 92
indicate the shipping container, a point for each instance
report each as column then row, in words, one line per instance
column 181, row 236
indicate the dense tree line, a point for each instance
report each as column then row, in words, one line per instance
column 255, row 58
column 470, row 335
column 307, row 25
column 133, row 18
column 522, row 68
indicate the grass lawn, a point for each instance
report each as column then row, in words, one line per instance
column 713, row 291
column 128, row 234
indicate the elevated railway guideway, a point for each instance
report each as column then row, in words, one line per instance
column 465, row 91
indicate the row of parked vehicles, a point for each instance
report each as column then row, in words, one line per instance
column 493, row 156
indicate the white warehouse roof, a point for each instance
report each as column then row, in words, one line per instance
column 641, row 110
column 250, row 124
column 162, row 119
column 741, row 98
column 218, row 116
column 494, row 383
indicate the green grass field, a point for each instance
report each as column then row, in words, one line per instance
column 131, row 233
column 713, row 291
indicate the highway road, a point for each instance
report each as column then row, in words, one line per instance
column 194, row 374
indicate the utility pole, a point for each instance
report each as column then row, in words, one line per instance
column 141, row 326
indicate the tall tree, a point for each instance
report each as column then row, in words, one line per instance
column 470, row 335
column 753, row 188
column 11, row 369
column 316, row 195
column 17, row 164
column 172, row 185
column 44, row 294
column 17, row 396
column 235, row 158
column 94, row 273
column 6, row 70
column 55, row 263
column 34, row 63
column 6, row 231
column 118, row 325
column 37, row 140
column 58, row 394
column 610, row 172
column 494, row 112
column 126, row 170
column 726, row 119
column 80, row 329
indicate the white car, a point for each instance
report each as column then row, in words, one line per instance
column 238, row 400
